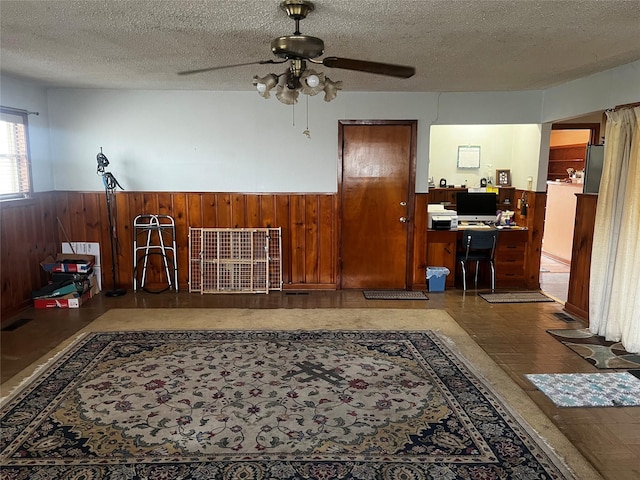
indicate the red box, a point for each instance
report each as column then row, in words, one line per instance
column 72, row 300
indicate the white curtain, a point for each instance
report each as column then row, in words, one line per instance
column 614, row 288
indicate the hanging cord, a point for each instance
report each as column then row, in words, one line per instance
column 307, row 132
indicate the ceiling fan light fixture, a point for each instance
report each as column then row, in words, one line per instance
column 265, row 84
column 331, row 89
column 311, row 82
column 284, row 93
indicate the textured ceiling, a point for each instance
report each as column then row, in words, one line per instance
column 455, row 45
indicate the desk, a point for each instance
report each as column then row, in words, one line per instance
column 442, row 246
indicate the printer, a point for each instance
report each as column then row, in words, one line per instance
column 440, row 218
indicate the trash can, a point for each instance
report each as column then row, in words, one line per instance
column 436, row 277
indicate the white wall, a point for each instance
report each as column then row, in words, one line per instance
column 239, row 142
column 33, row 98
column 598, row 92
column 235, row 141
column 512, row 147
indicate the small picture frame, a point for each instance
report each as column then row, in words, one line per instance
column 503, row 178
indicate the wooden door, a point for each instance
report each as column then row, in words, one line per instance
column 376, row 194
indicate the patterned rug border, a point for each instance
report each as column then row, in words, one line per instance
column 447, row 345
column 516, row 297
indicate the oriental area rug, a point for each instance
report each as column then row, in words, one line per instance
column 265, row 404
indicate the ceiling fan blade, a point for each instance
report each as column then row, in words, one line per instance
column 400, row 71
column 210, row 69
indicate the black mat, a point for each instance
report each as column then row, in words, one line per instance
column 516, row 297
column 394, row 295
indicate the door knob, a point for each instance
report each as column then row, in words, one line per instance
column 404, row 219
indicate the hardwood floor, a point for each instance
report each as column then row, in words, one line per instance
column 514, row 335
column 554, row 278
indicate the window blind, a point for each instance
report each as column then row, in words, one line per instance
column 15, row 175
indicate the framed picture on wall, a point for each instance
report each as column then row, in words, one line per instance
column 503, row 178
column 469, row 156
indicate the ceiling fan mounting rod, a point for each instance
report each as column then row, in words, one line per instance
column 297, row 9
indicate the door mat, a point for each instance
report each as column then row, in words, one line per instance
column 516, row 297
column 619, row 389
column 394, row 295
column 595, row 349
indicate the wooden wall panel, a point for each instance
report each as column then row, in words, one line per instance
column 29, row 232
column 420, row 220
column 534, row 221
column 578, row 293
column 327, row 239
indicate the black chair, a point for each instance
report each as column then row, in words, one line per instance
column 478, row 246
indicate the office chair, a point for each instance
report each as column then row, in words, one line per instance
column 479, row 246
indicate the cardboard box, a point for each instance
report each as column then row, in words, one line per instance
column 73, row 300
column 68, row 262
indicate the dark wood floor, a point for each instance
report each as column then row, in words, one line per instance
column 514, row 335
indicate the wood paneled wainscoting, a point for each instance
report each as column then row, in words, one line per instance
column 310, row 225
column 578, row 295
column 28, row 233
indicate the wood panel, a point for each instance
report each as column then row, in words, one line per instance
column 419, row 219
column 29, row 232
column 441, row 252
column 578, row 293
column 533, row 219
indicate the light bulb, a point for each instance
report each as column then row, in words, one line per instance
column 261, row 87
column 313, row 81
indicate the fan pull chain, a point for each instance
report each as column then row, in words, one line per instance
column 307, row 132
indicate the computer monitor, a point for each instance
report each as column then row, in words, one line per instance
column 476, row 206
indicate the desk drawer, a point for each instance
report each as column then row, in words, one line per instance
column 510, row 247
column 509, row 269
column 509, row 281
column 511, row 256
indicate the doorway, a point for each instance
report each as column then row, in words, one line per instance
column 376, row 186
column 568, row 146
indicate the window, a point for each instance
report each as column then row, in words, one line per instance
column 15, row 171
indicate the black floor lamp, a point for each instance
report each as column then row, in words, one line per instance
column 110, row 184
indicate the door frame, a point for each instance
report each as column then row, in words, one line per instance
column 411, row 192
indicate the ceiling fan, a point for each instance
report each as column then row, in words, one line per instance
column 299, row 49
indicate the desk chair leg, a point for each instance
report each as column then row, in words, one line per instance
column 476, row 277
column 493, row 277
column 464, row 276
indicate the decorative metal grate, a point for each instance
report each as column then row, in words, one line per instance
column 235, row 260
